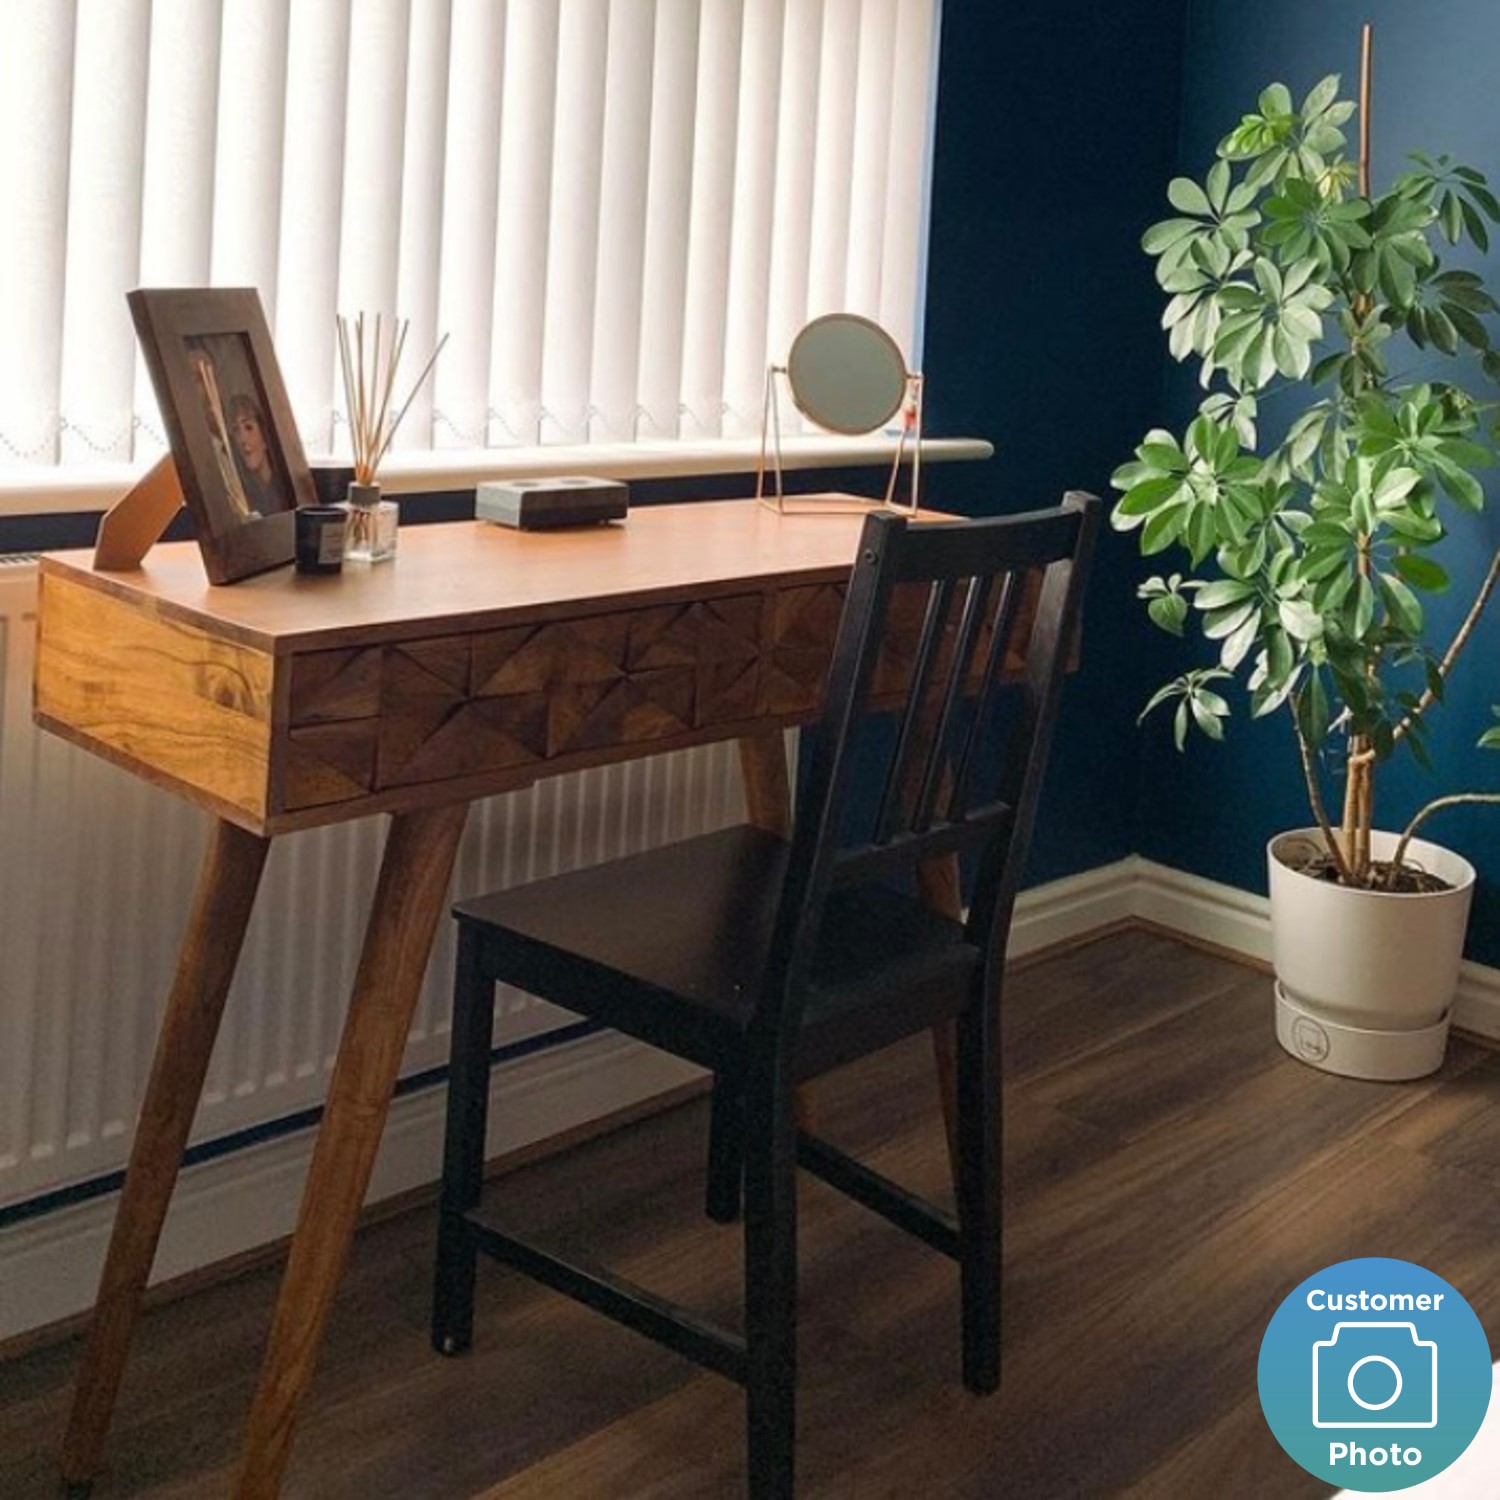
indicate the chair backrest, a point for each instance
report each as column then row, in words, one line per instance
column 998, row 602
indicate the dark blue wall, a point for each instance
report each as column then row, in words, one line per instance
column 1437, row 88
column 1057, row 127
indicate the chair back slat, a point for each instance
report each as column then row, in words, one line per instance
column 946, row 721
column 999, row 647
column 893, row 814
column 976, row 597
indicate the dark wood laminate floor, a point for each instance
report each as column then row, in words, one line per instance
column 1171, row 1176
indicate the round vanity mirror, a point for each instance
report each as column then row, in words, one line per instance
column 846, row 373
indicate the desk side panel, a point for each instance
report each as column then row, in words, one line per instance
column 162, row 698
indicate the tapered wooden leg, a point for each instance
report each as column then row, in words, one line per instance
column 227, row 885
column 409, row 898
column 463, row 1147
column 768, row 791
column 770, row 1286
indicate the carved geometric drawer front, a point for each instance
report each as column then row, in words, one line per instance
column 367, row 720
column 804, row 622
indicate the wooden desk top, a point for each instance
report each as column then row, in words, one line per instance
column 467, row 575
column 478, row 660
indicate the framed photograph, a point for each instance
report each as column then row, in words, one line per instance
column 235, row 445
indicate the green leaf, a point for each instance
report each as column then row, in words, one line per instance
column 1300, row 620
column 1237, row 645
column 1148, row 496
column 1395, row 487
column 1450, row 216
column 1466, row 454
column 1223, row 592
column 1206, row 719
column 1442, row 331
column 1312, row 710
column 1187, row 197
column 1164, row 528
column 1475, row 225
column 1223, row 623
column 1364, row 607
column 1218, row 185
column 1410, row 526
column 1481, row 194
column 1280, row 658
column 1168, row 232
column 1401, row 605
column 1169, row 611
column 1461, row 486
column 1275, row 99
column 1320, row 96
column 1164, row 454
column 1469, row 328
column 1421, row 572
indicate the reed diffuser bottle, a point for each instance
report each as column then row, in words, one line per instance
column 370, row 372
column 373, row 520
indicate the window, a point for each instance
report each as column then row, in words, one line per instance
column 618, row 210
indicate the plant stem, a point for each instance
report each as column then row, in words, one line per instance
column 1458, row 799
column 1366, row 48
column 1358, row 792
column 1359, row 803
column 1315, row 799
column 1450, row 656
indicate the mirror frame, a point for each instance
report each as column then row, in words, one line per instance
column 879, row 339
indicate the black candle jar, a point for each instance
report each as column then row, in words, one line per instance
column 320, row 538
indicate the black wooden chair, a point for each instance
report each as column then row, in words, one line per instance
column 770, row 962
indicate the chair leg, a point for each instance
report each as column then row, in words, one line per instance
column 726, row 1149
column 463, row 1148
column 979, row 1142
column 771, row 1287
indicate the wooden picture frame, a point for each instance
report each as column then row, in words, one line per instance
column 235, row 445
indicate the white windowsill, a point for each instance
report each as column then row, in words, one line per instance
column 53, row 491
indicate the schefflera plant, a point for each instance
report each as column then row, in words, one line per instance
column 1308, row 560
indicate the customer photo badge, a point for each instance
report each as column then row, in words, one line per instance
column 1375, row 1375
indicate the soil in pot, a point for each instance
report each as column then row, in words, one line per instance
column 1411, row 880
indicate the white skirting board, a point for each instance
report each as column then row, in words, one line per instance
column 1241, row 922
column 49, row 1266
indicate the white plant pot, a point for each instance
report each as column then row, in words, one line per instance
column 1365, row 979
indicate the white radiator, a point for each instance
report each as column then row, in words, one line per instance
column 97, row 869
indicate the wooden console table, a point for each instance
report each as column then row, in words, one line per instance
column 482, row 659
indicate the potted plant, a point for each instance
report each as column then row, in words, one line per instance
column 1308, row 555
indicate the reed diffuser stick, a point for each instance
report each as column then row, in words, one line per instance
column 370, row 369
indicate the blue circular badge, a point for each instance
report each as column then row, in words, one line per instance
column 1375, row 1374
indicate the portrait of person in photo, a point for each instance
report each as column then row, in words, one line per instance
column 264, row 487
column 245, row 451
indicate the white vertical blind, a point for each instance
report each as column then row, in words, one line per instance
column 618, row 210
column 102, row 251
column 177, row 195
column 519, row 271
column 316, row 179
column 36, row 113
column 620, row 255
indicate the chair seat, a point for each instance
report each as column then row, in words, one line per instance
column 670, row 946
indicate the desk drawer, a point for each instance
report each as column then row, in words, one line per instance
column 373, row 720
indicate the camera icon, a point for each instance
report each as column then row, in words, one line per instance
column 1375, row 1375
